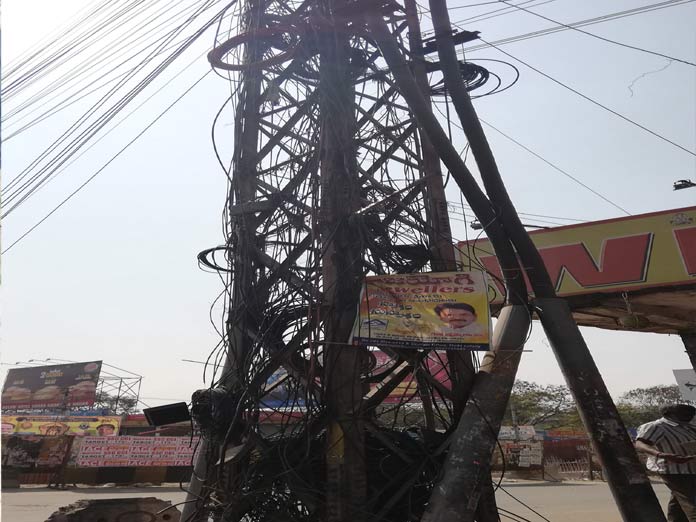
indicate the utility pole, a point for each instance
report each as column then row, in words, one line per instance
column 632, row 491
column 515, row 427
column 630, row 486
column 497, row 375
column 346, row 480
column 461, row 362
column 440, row 235
column 240, row 243
column 313, row 207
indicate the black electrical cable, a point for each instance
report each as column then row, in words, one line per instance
column 496, row 13
column 68, row 94
column 590, row 21
column 593, row 101
column 36, row 180
column 557, row 168
column 123, row 149
column 573, row 178
column 604, row 39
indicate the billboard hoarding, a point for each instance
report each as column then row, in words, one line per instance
column 52, row 425
column 55, row 386
column 614, row 255
column 519, row 455
column 443, row 311
column 517, row 433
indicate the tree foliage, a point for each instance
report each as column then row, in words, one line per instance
column 552, row 406
column 642, row 405
column 116, row 405
column 654, row 397
column 543, row 406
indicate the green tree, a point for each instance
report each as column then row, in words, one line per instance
column 115, row 405
column 642, row 405
column 543, row 406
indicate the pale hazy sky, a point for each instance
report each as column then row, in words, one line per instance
column 113, row 274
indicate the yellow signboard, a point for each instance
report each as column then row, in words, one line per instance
column 447, row 310
column 53, row 425
column 614, row 255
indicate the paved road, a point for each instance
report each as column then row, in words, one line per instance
column 568, row 502
column 35, row 504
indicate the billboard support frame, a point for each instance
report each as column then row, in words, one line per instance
column 115, row 382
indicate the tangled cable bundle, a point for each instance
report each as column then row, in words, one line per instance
column 269, row 455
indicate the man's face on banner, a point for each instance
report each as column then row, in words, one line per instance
column 457, row 318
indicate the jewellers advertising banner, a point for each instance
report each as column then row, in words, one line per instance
column 444, row 311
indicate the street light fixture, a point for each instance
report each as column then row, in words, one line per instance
column 478, row 226
column 683, row 184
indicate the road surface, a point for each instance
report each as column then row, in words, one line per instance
column 566, row 502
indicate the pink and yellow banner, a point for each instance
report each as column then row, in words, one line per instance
column 407, row 389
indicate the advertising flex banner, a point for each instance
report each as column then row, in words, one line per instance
column 407, row 389
column 55, row 386
column 519, row 455
column 29, row 452
column 444, row 311
column 52, row 425
column 626, row 254
column 280, row 393
column 135, row 451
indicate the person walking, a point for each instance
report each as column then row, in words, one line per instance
column 670, row 443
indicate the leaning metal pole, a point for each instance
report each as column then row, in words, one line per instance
column 442, row 251
column 634, row 496
column 463, row 376
column 512, row 328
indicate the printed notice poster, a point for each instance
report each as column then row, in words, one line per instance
column 135, row 451
column 444, row 311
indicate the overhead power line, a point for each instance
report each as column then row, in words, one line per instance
column 604, row 39
column 70, row 85
column 101, row 169
column 593, row 101
column 557, row 168
column 50, row 40
column 469, row 6
column 526, row 214
column 581, row 23
column 49, row 162
column 495, row 13
column 481, row 16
